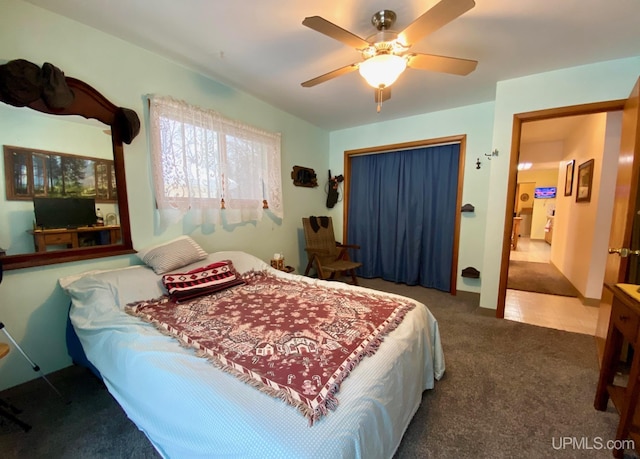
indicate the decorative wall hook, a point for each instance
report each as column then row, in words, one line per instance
column 471, row 272
column 493, row 153
column 478, row 163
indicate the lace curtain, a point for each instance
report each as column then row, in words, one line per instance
column 211, row 166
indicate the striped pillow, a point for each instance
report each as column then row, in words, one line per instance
column 201, row 281
column 174, row 254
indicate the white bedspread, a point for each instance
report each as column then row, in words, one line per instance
column 189, row 409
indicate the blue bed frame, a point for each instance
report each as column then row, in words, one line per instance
column 75, row 350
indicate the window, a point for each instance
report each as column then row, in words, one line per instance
column 210, row 164
column 60, row 175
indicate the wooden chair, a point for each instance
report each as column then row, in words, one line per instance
column 4, row 350
column 330, row 258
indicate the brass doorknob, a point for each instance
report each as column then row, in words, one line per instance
column 624, row 252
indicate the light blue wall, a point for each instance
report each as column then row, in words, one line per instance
column 476, row 122
column 604, row 81
column 32, row 306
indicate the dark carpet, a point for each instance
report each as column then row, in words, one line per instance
column 510, row 390
column 538, row 278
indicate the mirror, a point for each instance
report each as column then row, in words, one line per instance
column 88, row 132
column 57, row 172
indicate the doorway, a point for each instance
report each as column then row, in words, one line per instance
column 546, row 310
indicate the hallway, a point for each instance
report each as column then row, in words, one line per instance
column 551, row 311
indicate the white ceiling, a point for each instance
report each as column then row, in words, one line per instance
column 261, row 46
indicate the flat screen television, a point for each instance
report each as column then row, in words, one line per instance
column 64, row 212
column 544, row 192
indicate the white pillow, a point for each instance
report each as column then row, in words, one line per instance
column 171, row 255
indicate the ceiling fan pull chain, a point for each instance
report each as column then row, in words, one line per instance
column 379, row 99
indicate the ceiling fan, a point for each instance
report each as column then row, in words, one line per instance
column 386, row 53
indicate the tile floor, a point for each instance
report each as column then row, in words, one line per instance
column 551, row 311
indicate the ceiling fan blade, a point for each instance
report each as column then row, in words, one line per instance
column 333, row 31
column 439, row 15
column 385, row 93
column 441, row 64
column 328, row 76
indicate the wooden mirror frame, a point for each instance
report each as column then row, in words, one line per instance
column 89, row 104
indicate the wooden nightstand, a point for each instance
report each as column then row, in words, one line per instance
column 623, row 327
column 285, row 269
column 280, row 266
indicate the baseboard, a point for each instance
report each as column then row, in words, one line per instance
column 487, row 312
column 585, row 301
column 469, row 295
column 593, row 302
column 474, row 298
column 37, row 383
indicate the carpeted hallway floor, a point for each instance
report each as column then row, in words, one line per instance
column 539, row 278
column 510, row 390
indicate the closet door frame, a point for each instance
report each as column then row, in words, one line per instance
column 460, row 139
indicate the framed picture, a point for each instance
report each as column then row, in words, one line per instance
column 568, row 180
column 585, row 179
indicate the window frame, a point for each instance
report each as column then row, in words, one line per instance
column 217, row 172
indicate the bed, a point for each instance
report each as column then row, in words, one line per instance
column 188, row 407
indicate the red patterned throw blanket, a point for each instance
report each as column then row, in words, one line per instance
column 290, row 339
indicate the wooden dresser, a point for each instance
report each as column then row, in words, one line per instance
column 72, row 238
column 623, row 328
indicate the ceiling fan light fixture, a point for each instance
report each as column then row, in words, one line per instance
column 382, row 70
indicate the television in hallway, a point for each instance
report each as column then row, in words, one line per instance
column 544, row 192
column 64, row 212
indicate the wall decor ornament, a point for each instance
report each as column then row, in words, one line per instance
column 568, row 181
column 495, row 152
column 304, row 176
column 585, row 181
column 332, row 189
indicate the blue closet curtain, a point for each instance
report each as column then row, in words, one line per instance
column 402, row 212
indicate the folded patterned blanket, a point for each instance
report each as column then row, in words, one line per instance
column 288, row 338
